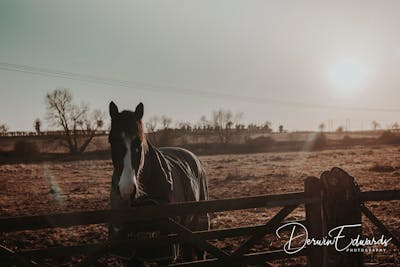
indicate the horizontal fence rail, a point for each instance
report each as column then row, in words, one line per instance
column 66, row 251
column 153, row 212
column 381, row 195
column 160, row 211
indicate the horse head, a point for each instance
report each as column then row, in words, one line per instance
column 128, row 146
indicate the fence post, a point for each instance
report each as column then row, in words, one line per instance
column 312, row 188
column 341, row 206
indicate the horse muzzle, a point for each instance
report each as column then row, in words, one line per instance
column 126, row 192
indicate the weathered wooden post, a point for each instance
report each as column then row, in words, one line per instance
column 341, row 207
column 312, row 188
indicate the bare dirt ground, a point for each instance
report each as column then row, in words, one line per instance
column 32, row 189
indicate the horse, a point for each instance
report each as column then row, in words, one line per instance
column 164, row 175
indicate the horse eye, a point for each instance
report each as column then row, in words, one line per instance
column 136, row 142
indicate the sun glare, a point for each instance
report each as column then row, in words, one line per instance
column 347, row 75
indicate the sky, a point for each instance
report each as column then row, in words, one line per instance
column 295, row 63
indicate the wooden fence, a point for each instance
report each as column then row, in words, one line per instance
column 330, row 201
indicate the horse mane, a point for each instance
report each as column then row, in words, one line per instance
column 141, row 135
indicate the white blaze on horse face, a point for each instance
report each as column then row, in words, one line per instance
column 127, row 181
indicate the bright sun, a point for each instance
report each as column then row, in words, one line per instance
column 347, row 75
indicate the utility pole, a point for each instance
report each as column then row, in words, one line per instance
column 347, row 125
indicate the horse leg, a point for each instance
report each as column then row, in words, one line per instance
column 186, row 249
column 187, row 252
column 202, row 224
column 199, row 223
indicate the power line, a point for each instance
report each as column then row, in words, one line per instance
column 177, row 90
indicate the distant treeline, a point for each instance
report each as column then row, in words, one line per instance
column 251, row 128
column 29, row 149
column 47, row 133
column 188, row 129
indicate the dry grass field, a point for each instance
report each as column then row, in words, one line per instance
column 50, row 187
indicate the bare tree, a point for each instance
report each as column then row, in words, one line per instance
column 166, row 121
column 77, row 122
column 340, row 129
column 203, row 122
column 3, row 128
column 152, row 123
column 375, row 125
column 321, row 127
column 221, row 118
column 37, row 124
column 395, row 126
column 184, row 125
column 222, row 121
column 237, row 119
column 267, row 126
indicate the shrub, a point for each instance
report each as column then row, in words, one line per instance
column 320, row 141
column 262, row 143
column 26, row 151
column 388, row 137
column 347, row 140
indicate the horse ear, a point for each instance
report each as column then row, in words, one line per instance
column 139, row 111
column 113, row 109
